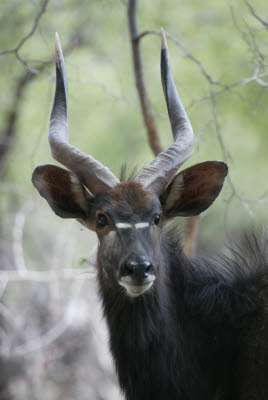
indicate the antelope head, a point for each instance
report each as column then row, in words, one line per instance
column 128, row 217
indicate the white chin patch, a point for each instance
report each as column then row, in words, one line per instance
column 136, row 290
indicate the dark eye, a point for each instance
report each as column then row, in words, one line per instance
column 102, row 220
column 156, row 219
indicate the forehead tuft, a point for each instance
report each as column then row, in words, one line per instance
column 131, row 195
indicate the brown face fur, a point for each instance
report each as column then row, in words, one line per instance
column 128, row 218
column 127, row 202
column 130, row 195
column 130, row 232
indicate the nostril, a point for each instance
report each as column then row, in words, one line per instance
column 148, row 266
column 130, row 267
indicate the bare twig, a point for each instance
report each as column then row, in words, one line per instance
column 3, row 286
column 38, row 343
column 182, row 47
column 57, row 330
column 47, row 276
column 8, row 132
column 8, row 317
column 18, row 231
column 190, row 235
column 256, row 77
column 146, row 105
column 192, row 223
column 16, row 49
column 253, row 12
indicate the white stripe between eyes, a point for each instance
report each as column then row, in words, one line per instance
column 140, row 225
column 123, row 225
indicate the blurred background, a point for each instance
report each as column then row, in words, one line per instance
column 53, row 340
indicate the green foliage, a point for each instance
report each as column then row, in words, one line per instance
column 104, row 113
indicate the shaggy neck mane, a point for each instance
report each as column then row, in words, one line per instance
column 186, row 324
column 146, row 332
column 136, row 320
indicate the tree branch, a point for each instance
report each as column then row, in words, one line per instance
column 190, row 235
column 8, row 133
column 145, row 102
column 211, row 96
column 16, row 49
column 253, row 12
column 146, row 105
column 48, row 276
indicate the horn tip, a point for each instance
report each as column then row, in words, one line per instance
column 57, row 41
column 58, row 50
column 163, row 40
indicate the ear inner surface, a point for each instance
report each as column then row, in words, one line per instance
column 193, row 190
column 63, row 191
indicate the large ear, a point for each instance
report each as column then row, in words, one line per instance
column 193, row 190
column 64, row 193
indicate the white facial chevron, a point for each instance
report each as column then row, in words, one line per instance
column 141, row 225
column 123, row 225
column 138, row 225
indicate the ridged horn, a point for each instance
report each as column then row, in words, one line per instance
column 92, row 173
column 156, row 175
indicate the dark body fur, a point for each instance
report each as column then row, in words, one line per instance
column 201, row 332
column 179, row 329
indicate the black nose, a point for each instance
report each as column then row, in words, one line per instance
column 138, row 267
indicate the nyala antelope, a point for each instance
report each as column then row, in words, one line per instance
column 180, row 329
